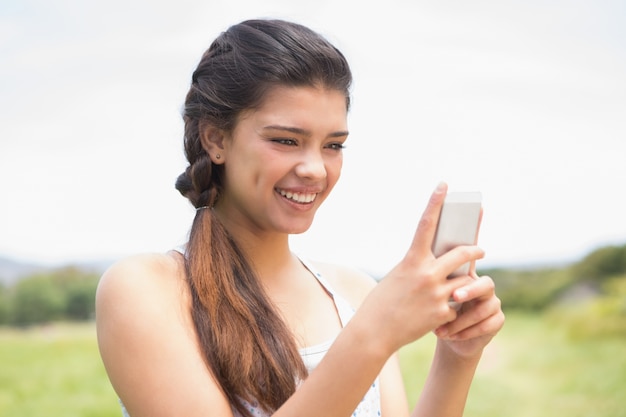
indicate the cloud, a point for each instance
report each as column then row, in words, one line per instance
column 523, row 101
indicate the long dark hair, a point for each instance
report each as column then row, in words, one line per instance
column 247, row 346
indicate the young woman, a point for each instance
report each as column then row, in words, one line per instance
column 235, row 324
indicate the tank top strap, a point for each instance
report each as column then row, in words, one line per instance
column 344, row 309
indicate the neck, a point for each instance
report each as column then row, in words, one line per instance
column 268, row 252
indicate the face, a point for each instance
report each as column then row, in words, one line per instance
column 283, row 159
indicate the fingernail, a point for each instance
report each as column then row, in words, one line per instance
column 461, row 295
column 440, row 187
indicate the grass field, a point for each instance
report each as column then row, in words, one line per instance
column 54, row 371
column 534, row 369
column 531, row 369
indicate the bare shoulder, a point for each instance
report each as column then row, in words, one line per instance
column 138, row 295
column 351, row 283
column 141, row 282
column 134, row 269
column 141, row 272
column 147, row 339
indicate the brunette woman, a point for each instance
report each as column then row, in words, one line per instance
column 234, row 323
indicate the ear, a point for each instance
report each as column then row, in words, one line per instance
column 212, row 140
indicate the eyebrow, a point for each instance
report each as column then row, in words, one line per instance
column 300, row 131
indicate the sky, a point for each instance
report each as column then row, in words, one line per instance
column 524, row 101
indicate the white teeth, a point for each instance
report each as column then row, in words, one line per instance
column 298, row 197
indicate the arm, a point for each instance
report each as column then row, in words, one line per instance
column 459, row 349
column 149, row 348
column 411, row 301
column 444, row 393
column 456, row 357
column 447, row 385
column 461, row 339
column 147, row 342
column 150, row 351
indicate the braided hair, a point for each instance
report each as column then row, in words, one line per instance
column 246, row 345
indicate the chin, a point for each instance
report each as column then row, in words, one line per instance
column 297, row 232
column 298, row 229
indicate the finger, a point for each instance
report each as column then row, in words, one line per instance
column 489, row 326
column 425, row 233
column 453, row 285
column 457, row 284
column 482, row 287
column 452, row 260
column 471, row 315
column 473, row 263
column 480, row 221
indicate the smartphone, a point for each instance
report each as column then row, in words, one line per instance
column 458, row 225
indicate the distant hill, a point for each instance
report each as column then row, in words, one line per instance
column 12, row 270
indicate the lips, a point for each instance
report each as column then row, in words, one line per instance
column 298, row 197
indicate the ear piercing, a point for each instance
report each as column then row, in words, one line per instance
column 218, row 156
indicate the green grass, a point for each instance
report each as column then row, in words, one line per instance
column 532, row 368
column 54, row 370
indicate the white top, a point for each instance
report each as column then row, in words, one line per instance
column 313, row 355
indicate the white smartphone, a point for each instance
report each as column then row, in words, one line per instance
column 458, row 225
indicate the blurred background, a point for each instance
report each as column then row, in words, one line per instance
column 523, row 101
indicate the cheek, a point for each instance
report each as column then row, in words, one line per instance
column 333, row 171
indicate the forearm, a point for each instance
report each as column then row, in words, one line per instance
column 447, row 386
column 339, row 383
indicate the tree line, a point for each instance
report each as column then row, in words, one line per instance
column 586, row 299
column 61, row 294
column 537, row 289
column 68, row 293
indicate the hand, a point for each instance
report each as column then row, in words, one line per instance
column 479, row 318
column 412, row 299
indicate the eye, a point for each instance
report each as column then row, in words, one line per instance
column 336, row 146
column 285, row 141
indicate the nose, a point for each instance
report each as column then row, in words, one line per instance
column 311, row 165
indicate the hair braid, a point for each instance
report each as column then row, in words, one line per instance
column 246, row 344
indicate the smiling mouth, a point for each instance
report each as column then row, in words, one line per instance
column 302, row 198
